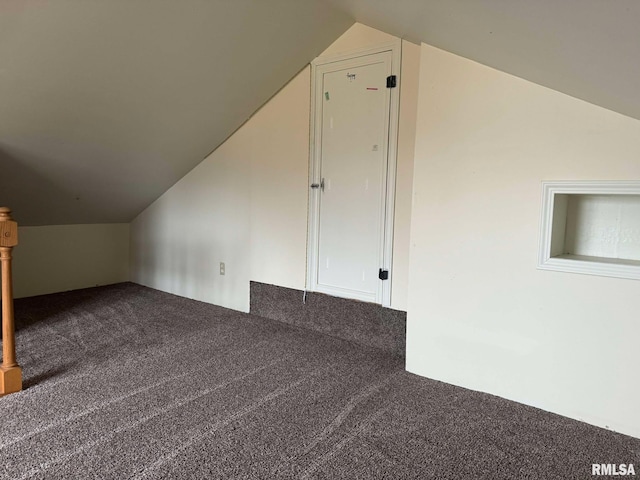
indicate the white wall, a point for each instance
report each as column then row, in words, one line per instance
column 409, row 85
column 57, row 258
column 480, row 314
column 246, row 203
column 603, row 226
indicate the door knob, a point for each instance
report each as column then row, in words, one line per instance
column 318, row 185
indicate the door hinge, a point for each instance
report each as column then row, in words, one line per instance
column 383, row 274
column 391, row 81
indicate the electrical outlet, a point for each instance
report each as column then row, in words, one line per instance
column 221, row 268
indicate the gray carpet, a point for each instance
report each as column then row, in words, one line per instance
column 128, row 382
column 365, row 323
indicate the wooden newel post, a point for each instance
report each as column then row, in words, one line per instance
column 10, row 371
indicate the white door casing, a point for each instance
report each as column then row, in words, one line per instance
column 353, row 156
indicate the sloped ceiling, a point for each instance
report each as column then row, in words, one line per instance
column 589, row 49
column 104, row 104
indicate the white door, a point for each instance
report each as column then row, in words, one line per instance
column 349, row 190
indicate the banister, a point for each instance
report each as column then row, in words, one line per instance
column 10, row 371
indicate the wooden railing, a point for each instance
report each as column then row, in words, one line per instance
column 10, row 371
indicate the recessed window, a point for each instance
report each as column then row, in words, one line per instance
column 591, row 228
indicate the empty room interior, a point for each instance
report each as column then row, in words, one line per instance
column 320, row 239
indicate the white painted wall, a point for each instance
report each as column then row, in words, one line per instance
column 603, row 226
column 246, row 203
column 358, row 37
column 409, row 86
column 58, row 258
column 480, row 314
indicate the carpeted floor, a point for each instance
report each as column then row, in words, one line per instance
column 364, row 323
column 128, row 382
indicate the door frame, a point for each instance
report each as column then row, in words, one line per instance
column 384, row 294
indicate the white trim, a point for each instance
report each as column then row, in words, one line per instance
column 346, row 293
column 312, row 211
column 607, row 267
column 390, row 180
column 392, row 158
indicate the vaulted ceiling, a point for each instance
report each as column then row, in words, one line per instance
column 104, row 104
column 589, row 49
